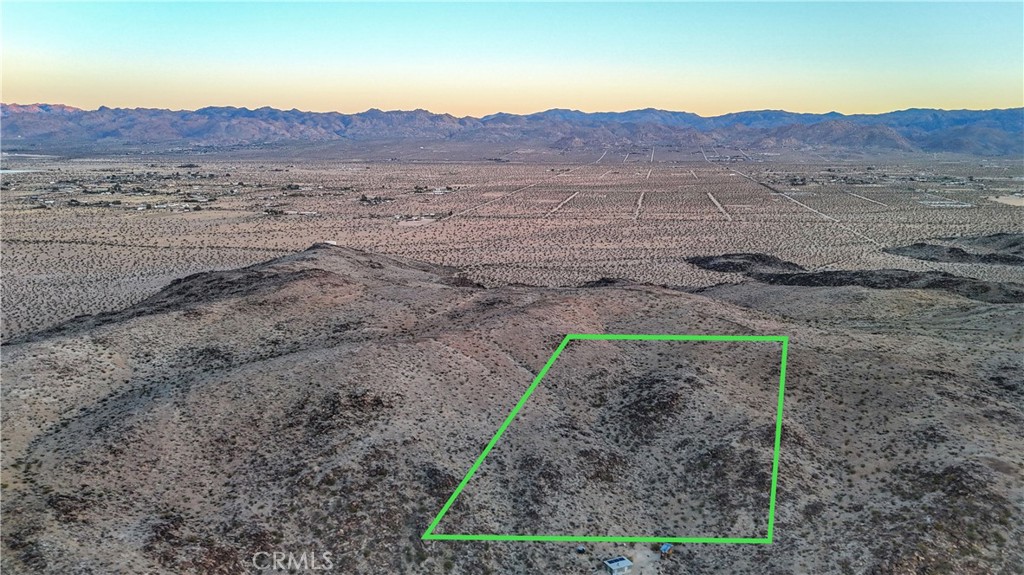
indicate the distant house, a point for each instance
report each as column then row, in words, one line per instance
column 666, row 550
column 618, row 565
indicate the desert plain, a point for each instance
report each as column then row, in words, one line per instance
column 97, row 234
column 212, row 355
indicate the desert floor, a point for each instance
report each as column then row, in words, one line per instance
column 84, row 235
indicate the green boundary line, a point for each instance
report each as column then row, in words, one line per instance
column 784, row 340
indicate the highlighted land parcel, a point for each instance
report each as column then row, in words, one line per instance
column 647, row 421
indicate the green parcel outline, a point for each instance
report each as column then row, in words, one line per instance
column 429, row 534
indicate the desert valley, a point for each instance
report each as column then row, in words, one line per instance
column 213, row 353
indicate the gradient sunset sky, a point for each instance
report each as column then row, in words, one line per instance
column 480, row 58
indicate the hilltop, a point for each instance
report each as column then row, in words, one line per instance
column 331, row 400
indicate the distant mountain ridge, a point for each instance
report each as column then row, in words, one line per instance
column 980, row 132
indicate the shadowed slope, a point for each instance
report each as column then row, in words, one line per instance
column 332, row 399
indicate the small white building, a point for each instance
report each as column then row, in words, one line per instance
column 618, row 565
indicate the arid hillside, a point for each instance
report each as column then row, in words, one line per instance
column 330, row 401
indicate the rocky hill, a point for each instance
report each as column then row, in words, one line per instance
column 330, row 401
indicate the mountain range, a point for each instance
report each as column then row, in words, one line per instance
column 55, row 126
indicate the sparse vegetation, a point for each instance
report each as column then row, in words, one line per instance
column 333, row 398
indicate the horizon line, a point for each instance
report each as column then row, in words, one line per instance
column 556, row 109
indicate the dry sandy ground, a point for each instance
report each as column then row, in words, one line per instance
column 331, row 400
column 1017, row 201
column 76, row 242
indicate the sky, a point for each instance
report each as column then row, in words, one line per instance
column 481, row 58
